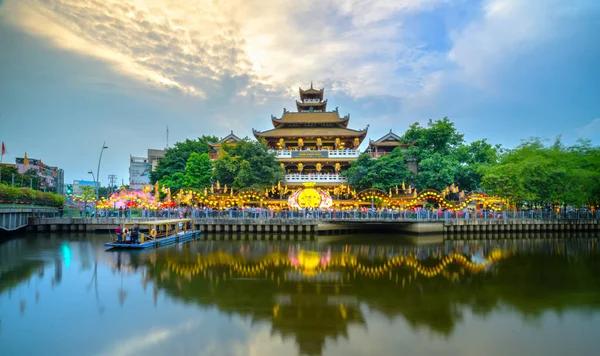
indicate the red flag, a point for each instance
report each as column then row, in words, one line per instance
column 3, row 148
column 40, row 163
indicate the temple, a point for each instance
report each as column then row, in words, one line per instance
column 216, row 146
column 386, row 144
column 313, row 144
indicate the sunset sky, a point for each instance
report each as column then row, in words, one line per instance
column 75, row 73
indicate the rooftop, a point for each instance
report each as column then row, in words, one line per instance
column 311, row 131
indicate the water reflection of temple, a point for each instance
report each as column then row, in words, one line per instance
column 314, row 293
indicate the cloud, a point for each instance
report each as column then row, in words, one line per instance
column 148, row 339
column 589, row 130
column 191, row 46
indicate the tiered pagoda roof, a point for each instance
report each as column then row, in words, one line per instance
column 311, row 120
column 311, row 93
column 231, row 138
column 294, row 119
column 389, row 140
column 311, row 132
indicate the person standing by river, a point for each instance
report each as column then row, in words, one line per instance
column 135, row 234
column 119, row 233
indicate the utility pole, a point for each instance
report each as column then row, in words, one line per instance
column 112, row 181
column 167, row 137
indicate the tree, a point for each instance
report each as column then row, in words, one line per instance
column 7, row 172
column 385, row 172
column 439, row 136
column 175, row 181
column 32, row 178
column 198, row 171
column 471, row 160
column 103, row 191
column 437, row 172
column 87, row 193
column 176, row 158
column 247, row 164
column 361, row 174
column 550, row 176
column 391, row 170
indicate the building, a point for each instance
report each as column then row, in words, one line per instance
column 140, row 168
column 139, row 172
column 313, row 144
column 230, row 139
column 387, row 144
column 79, row 184
column 154, row 156
column 52, row 178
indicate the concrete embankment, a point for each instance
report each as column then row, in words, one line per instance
column 449, row 229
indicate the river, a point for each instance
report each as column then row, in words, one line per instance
column 63, row 294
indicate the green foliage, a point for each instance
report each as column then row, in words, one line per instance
column 361, row 174
column 17, row 195
column 437, row 171
column 198, row 171
column 553, row 175
column 7, row 173
column 176, row 159
column 87, row 193
column 175, row 181
column 386, row 172
column 472, row 159
column 444, row 158
column 247, row 164
column 439, row 136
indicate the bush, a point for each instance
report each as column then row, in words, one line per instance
column 16, row 195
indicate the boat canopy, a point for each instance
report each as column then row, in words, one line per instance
column 159, row 222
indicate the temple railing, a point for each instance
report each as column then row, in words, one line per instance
column 317, row 178
column 348, row 153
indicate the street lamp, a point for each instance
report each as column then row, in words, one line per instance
column 98, row 170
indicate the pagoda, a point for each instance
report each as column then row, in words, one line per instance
column 387, row 143
column 230, row 139
column 313, row 144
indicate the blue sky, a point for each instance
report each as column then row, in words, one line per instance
column 75, row 73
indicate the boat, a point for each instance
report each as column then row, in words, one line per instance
column 167, row 232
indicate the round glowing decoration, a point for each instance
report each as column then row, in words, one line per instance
column 310, row 198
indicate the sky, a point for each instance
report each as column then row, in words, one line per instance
column 77, row 73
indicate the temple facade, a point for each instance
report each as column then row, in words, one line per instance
column 313, row 144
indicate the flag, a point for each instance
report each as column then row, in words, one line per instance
column 40, row 163
column 3, row 149
column 26, row 160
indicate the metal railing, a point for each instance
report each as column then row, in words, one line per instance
column 362, row 214
column 314, row 177
column 347, row 153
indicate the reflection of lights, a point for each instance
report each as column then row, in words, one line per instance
column 66, row 254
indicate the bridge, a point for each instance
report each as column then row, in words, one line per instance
column 14, row 216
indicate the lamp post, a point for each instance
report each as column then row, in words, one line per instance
column 98, row 170
column 93, row 177
column 94, row 180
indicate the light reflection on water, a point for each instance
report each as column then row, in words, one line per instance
column 65, row 294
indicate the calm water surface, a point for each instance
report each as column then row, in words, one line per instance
column 64, row 294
